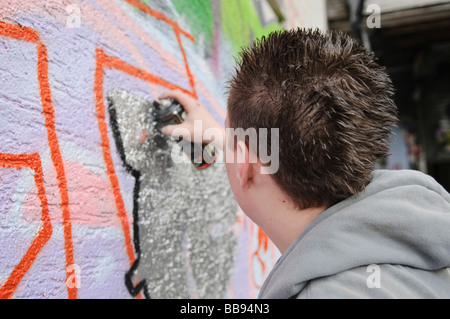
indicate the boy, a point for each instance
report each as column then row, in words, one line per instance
column 344, row 230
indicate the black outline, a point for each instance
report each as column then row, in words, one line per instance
column 142, row 285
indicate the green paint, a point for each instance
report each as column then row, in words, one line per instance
column 240, row 22
column 198, row 15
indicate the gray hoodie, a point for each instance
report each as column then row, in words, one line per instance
column 391, row 241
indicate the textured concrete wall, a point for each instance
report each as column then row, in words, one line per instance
column 91, row 204
column 304, row 13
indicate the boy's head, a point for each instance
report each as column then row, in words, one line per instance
column 333, row 106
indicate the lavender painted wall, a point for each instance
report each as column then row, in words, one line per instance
column 76, row 220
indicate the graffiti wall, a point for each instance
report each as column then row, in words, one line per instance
column 91, row 203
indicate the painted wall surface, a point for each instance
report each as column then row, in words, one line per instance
column 91, row 203
column 305, row 13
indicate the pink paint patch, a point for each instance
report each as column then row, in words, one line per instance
column 143, row 136
column 91, row 200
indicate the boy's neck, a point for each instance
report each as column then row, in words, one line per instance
column 284, row 231
column 279, row 218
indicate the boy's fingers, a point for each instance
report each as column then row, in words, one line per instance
column 184, row 99
column 168, row 129
column 177, row 131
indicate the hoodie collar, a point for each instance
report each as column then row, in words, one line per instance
column 402, row 217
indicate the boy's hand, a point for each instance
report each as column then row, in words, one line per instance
column 195, row 112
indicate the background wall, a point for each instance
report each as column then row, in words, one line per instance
column 91, row 203
column 304, row 13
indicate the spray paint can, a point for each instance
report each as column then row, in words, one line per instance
column 169, row 112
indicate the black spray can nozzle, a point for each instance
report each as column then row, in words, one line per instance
column 170, row 112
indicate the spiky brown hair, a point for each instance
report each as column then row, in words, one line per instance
column 333, row 105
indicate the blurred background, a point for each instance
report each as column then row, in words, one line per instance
column 412, row 39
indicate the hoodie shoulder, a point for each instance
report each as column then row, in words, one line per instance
column 380, row 282
column 389, row 179
column 401, row 218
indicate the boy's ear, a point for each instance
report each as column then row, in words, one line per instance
column 244, row 166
